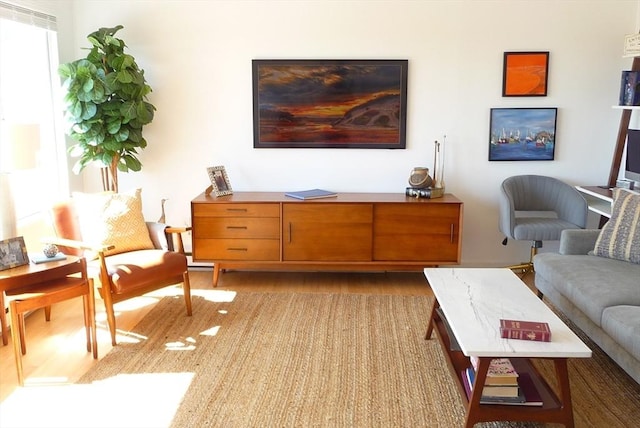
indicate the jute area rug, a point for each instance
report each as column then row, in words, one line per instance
column 304, row 360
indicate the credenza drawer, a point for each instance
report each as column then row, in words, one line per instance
column 237, row 227
column 236, row 210
column 237, row 249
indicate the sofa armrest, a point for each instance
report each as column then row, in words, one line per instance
column 578, row 241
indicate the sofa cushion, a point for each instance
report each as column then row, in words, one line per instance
column 622, row 323
column 113, row 218
column 620, row 237
column 592, row 283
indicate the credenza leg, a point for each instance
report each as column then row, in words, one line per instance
column 216, row 274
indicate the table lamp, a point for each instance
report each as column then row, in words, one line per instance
column 18, row 151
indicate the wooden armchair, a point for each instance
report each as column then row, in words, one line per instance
column 126, row 274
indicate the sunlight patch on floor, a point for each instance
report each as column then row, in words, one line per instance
column 218, row 296
column 150, row 399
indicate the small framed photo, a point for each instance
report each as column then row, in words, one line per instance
column 525, row 74
column 220, row 184
column 522, row 134
column 13, row 253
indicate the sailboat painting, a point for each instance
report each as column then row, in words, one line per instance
column 522, row 134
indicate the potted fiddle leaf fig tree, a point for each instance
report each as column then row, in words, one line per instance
column 106, row 107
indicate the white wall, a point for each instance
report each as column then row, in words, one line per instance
column 197, row 58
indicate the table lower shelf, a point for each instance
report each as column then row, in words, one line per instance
column 555, row 408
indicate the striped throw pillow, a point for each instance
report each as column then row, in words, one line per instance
column 620, row 237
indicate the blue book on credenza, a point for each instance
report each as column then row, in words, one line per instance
column 311, row 194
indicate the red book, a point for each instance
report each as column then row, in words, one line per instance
column 525, row 330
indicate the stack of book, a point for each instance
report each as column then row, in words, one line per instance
column 503, row 384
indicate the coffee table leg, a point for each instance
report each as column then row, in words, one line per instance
column 430, row 325
column 473, row 407
column 562, row 374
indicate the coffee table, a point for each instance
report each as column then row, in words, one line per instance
column 473, row 301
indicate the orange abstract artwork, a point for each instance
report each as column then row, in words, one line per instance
column 525, row 74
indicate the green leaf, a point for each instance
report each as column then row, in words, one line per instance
column 144, row 112
column 76, row 109
column 113, row 125
column 124, row 76
column 89, row 110
column 128, row 110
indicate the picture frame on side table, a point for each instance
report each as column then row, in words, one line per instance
column 522, row 134
column 13, row 253
column 330, row 104
column 525, row 74
column 220, row 184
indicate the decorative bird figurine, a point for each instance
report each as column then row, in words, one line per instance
column 162, row 218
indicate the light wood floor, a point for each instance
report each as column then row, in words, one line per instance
column 56, row 352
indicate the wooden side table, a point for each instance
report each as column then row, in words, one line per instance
column 36, row 286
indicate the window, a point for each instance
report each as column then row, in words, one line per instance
column 32, row 151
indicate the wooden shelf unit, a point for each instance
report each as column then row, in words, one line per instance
column 353, row 231
column 622, row 133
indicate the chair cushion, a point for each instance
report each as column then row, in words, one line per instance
column 620, row 237
column 142, row 268
column 113, row 218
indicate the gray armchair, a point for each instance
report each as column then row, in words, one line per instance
column 538, row 208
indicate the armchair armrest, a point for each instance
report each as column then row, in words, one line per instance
column 578, row 241
column 177, row 232
column 163, row 236
column 77, row 244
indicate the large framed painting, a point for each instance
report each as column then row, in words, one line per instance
column 525, row 74
column 330, row 104
column 522, row 134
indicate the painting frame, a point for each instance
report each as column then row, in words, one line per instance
column 220, row 184
column 329, row 103
column 525, row 74
column 13, row 253
column 523, row 133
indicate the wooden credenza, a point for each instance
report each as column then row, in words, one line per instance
column 353, row 231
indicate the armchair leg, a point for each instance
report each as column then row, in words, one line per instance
column 527, row 267
column 186, row 290
column 111, row 315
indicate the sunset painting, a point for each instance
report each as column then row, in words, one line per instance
column 330, row 103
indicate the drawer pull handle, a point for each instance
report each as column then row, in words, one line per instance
column 236, row 227
column 237, row 249
column 451, row 234
column 244, row 210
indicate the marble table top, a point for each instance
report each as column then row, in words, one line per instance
column 475, row 299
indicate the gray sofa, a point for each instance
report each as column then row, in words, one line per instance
column 600, row 294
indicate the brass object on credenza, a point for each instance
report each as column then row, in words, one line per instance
column 420, row 182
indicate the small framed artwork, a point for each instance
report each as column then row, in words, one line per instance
column 522, row 134
column 525, row 74
column 324, row 103
column 220, row 184
column 13, row 253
